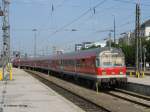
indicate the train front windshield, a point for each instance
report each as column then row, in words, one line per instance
column 108, row 59
column 117, row 60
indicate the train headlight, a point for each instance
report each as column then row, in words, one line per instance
column 121, row 73
column 103, row 72
column 113, row 73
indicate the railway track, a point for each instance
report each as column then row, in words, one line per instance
column 133, row 94
column 90, row 101
column 131, row 97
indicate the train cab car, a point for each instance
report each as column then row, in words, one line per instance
column 103, row 65
column 110, row 65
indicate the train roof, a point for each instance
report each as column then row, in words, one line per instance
column 78, row 54
column 88, row 53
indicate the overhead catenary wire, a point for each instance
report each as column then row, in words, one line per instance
column 131, row 2
column 91, row 8
column 80, row 25
column 76, row 19
column 60, row 4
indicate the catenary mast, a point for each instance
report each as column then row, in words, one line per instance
column 6, row 33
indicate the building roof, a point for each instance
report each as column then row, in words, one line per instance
column 146, row 23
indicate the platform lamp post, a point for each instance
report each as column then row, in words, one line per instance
column 35, row 39
column 114, row 30
column 109, row 39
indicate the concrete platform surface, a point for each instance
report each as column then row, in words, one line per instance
column 142, row 80
column 27, row 94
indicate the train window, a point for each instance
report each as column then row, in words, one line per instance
column 118, row 60
column 61, row 62
column 67, row 62
column 97, row 62
column 64, row 62
column 70, row 62
column 83, row 60
column 106, row 60
column 78, row 63
column 107, row 64
column 73, row 63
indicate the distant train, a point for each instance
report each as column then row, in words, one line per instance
column 103, row 66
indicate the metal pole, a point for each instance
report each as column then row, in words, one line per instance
column 140, row 38
column 114, row 30
column 137, row 37
column 141, row 61
column 35, row 44
column 6, row 34
column 144, row 61
column 35, row 38
column 144, row 50
column 110, row 40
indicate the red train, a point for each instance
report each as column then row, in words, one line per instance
column 103, row 66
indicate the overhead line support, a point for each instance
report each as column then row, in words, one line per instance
column 6, row 34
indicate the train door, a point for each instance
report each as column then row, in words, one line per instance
column 97, row 62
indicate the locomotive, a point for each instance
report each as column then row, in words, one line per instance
column 102, row 66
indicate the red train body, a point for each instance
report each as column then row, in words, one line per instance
column 103, row 65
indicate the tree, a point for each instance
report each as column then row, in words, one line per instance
column 129, row 52
column 147, row 45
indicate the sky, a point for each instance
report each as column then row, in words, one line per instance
column 55, row 20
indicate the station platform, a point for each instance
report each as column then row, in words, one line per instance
column 142, row 80
column 26, row 94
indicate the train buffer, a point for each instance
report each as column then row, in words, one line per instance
column 25, row 93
